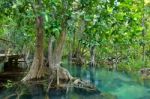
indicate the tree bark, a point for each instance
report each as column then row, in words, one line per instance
column 37, row 68
column 55, row 55
column 143, row 43
column 59, row 47
column 50, row 52
column 92, row 58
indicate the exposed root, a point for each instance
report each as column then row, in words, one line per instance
column 49, row 85
column 64, row 77
column 33, row 75
column 66, row 81
column 11, row 95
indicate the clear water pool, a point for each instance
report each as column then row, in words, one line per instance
column 118, row 84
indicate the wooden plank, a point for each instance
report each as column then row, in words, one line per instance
column 10, row 55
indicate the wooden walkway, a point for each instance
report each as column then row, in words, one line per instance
column 10, row 56
column 9, row 61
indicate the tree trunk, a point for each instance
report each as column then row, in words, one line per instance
column 50, row 52
column 92, row 58
column 143, row 35
column 59, row 47
column 143, row 43
column 55, row 55
column 37, row 69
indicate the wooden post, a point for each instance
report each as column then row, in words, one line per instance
column 16, row 62
column 57, row 71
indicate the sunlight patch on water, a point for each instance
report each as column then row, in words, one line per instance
column 130, row 92
column 121, row 85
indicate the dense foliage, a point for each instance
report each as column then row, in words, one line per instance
column 119, row 29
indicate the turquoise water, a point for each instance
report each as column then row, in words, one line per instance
column 121, row 85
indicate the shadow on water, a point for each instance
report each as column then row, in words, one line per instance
column 114, row 84
column 84, row 73
column 38, row 92
column 92, row 74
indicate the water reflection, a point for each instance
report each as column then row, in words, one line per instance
column 119, row 84
column 78, row 71
column 87, row 74
column 92, row 74
column 37, row 91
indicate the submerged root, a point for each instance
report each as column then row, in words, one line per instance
column 17, row 95
column 66, row 81
column 9, row 96
column 59, row 78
